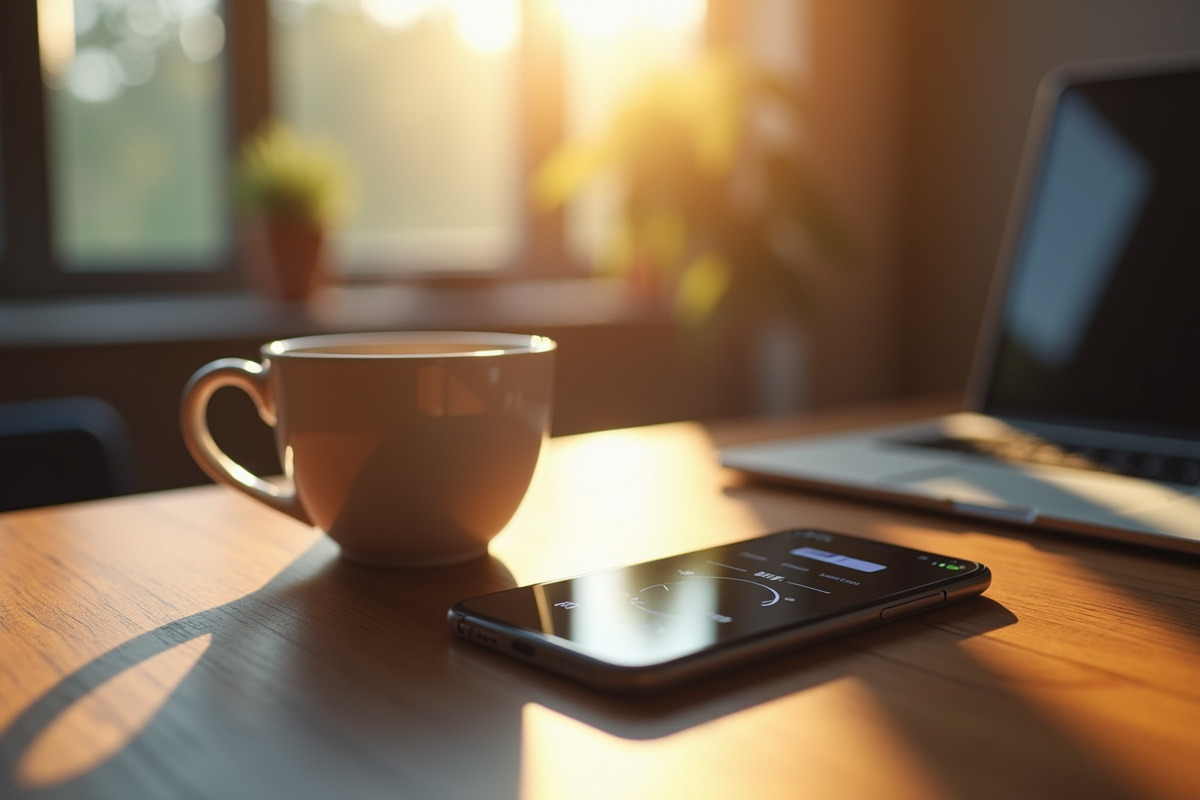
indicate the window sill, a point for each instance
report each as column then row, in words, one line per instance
column 620, row 363
column 526, row 306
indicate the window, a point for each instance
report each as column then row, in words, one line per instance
column 433, row 123
column 134, row 97
column 608, row 48
column 118, row 119
column 114, row 135
column 420, row 97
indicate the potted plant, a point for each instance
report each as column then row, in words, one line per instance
column 290, row 192
column 721, row 216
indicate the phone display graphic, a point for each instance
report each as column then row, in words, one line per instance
column 651, row 622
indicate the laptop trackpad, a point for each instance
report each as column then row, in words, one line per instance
column 1056, row 493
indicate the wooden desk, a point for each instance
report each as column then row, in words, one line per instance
column 194, row 644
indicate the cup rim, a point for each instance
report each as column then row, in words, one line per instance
column 475, row 344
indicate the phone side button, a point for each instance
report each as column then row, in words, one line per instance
column 910, row 606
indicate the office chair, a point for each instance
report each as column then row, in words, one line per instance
column 63, row 450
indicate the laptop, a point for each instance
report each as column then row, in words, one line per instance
column 1083, row 411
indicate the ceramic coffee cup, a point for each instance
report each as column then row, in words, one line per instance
column 407, row 449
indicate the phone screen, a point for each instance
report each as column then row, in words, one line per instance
column 675, row 607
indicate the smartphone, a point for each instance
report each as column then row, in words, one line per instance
column 653, row 625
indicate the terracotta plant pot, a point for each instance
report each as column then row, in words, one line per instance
column 285, row 257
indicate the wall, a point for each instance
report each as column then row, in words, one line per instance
column 971, row 70
column 920, row 109
column 857, row 114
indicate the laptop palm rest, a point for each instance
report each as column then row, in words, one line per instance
column 1044, row 492
column 873, row 463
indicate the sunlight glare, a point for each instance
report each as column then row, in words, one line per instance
column 95, row 75
column 487, row 26
column 562, row 756
column 397, row 13
column 100, row 724
column 56, row 38
column 601, row 20
column 145, row 20
column 202, row 37
column 597, row 20
column 673, row 14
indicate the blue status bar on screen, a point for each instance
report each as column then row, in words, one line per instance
column 839, row 560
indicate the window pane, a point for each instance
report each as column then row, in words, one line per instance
column 609, row 48
column 421, row 96
column 135, row 100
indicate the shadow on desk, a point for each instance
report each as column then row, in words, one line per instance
column 330, row 682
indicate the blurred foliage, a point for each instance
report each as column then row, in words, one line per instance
column 721, row 213
column 282, row 175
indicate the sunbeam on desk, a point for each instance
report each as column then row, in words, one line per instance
column 557, row 749
column 100, row 724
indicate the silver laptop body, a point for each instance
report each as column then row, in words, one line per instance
column 1083, row 413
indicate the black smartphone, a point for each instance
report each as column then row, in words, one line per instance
column 652, row 625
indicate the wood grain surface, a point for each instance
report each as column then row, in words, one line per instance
column 193, row 644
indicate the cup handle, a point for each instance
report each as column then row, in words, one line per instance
column 251, row 378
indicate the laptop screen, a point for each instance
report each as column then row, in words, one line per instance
column 1101, row 320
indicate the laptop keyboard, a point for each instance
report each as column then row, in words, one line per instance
column 1031, row 450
